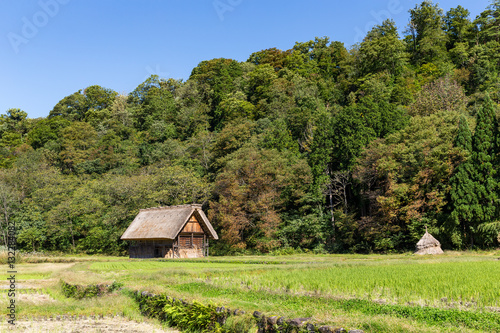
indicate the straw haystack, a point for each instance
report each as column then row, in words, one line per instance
column 428, row 245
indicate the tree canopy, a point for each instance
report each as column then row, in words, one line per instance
column 319, row 147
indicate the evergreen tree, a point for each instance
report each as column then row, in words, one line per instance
column 462, row 189
column 484, row 149
column 464, row 135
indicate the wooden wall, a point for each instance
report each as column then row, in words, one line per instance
column 149, row 249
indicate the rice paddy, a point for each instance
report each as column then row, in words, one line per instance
column 476, row 283
column 392, row 293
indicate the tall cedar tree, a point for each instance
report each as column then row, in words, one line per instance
column 462, row 193
column 484, row 209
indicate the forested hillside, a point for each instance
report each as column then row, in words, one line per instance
column 317, row 147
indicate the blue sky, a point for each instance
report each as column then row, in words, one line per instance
column 52, row 48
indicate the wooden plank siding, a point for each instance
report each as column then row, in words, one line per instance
column 149, row 249
column 191, row 241
column 192, row 226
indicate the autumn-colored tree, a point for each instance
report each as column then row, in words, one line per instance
column 405, row 180
column 444, row 94
column 251, row 191
column 317, row 147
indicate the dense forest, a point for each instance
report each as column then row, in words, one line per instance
column 318, row 147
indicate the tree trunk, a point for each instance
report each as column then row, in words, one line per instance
column 6, row 219
column 72, row 235
column 331, row 210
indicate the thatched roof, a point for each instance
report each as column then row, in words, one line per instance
column 166, row 222
column 428, row 245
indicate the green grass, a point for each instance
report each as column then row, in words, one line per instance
column 284, row 304
column 377, row 293
column 473, row 282
column 398, row 280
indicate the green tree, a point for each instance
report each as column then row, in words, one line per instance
column 462, row 193
column 426, row 37
column 484, row 66
column 139, row 95
column 487, row 23
column 13, row 121
column 13, row 129
column 382, row 50
column 350, row 135
column 77, row 141
column 154, row 109
column 30, row 225
column 193, row 113
column 485, row 207
column 98, row 101
column 277, row 135
column 9, row 201
column 46, row 130
column 158, row 108
column 71, row 107
column 236, row 106
column 98, row 98
column 457, row 26
column 216, row 80
column 259, row 83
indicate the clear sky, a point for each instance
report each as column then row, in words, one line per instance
column 52, row 48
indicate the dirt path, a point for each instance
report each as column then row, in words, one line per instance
column 102, row 325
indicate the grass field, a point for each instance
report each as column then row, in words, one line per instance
column 455, row 292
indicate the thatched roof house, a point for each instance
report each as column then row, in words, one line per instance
column 170, row 232
column 428, row 245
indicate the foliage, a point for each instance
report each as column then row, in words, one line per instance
column 194, row 317
column 318, row 147
column 405, row 179
column 484, row 207
column 252, row 188
column 461, row 191
column 443, row 94
column 92, row 290
column 191, row 317
column 426, row 38
column 382, row 50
